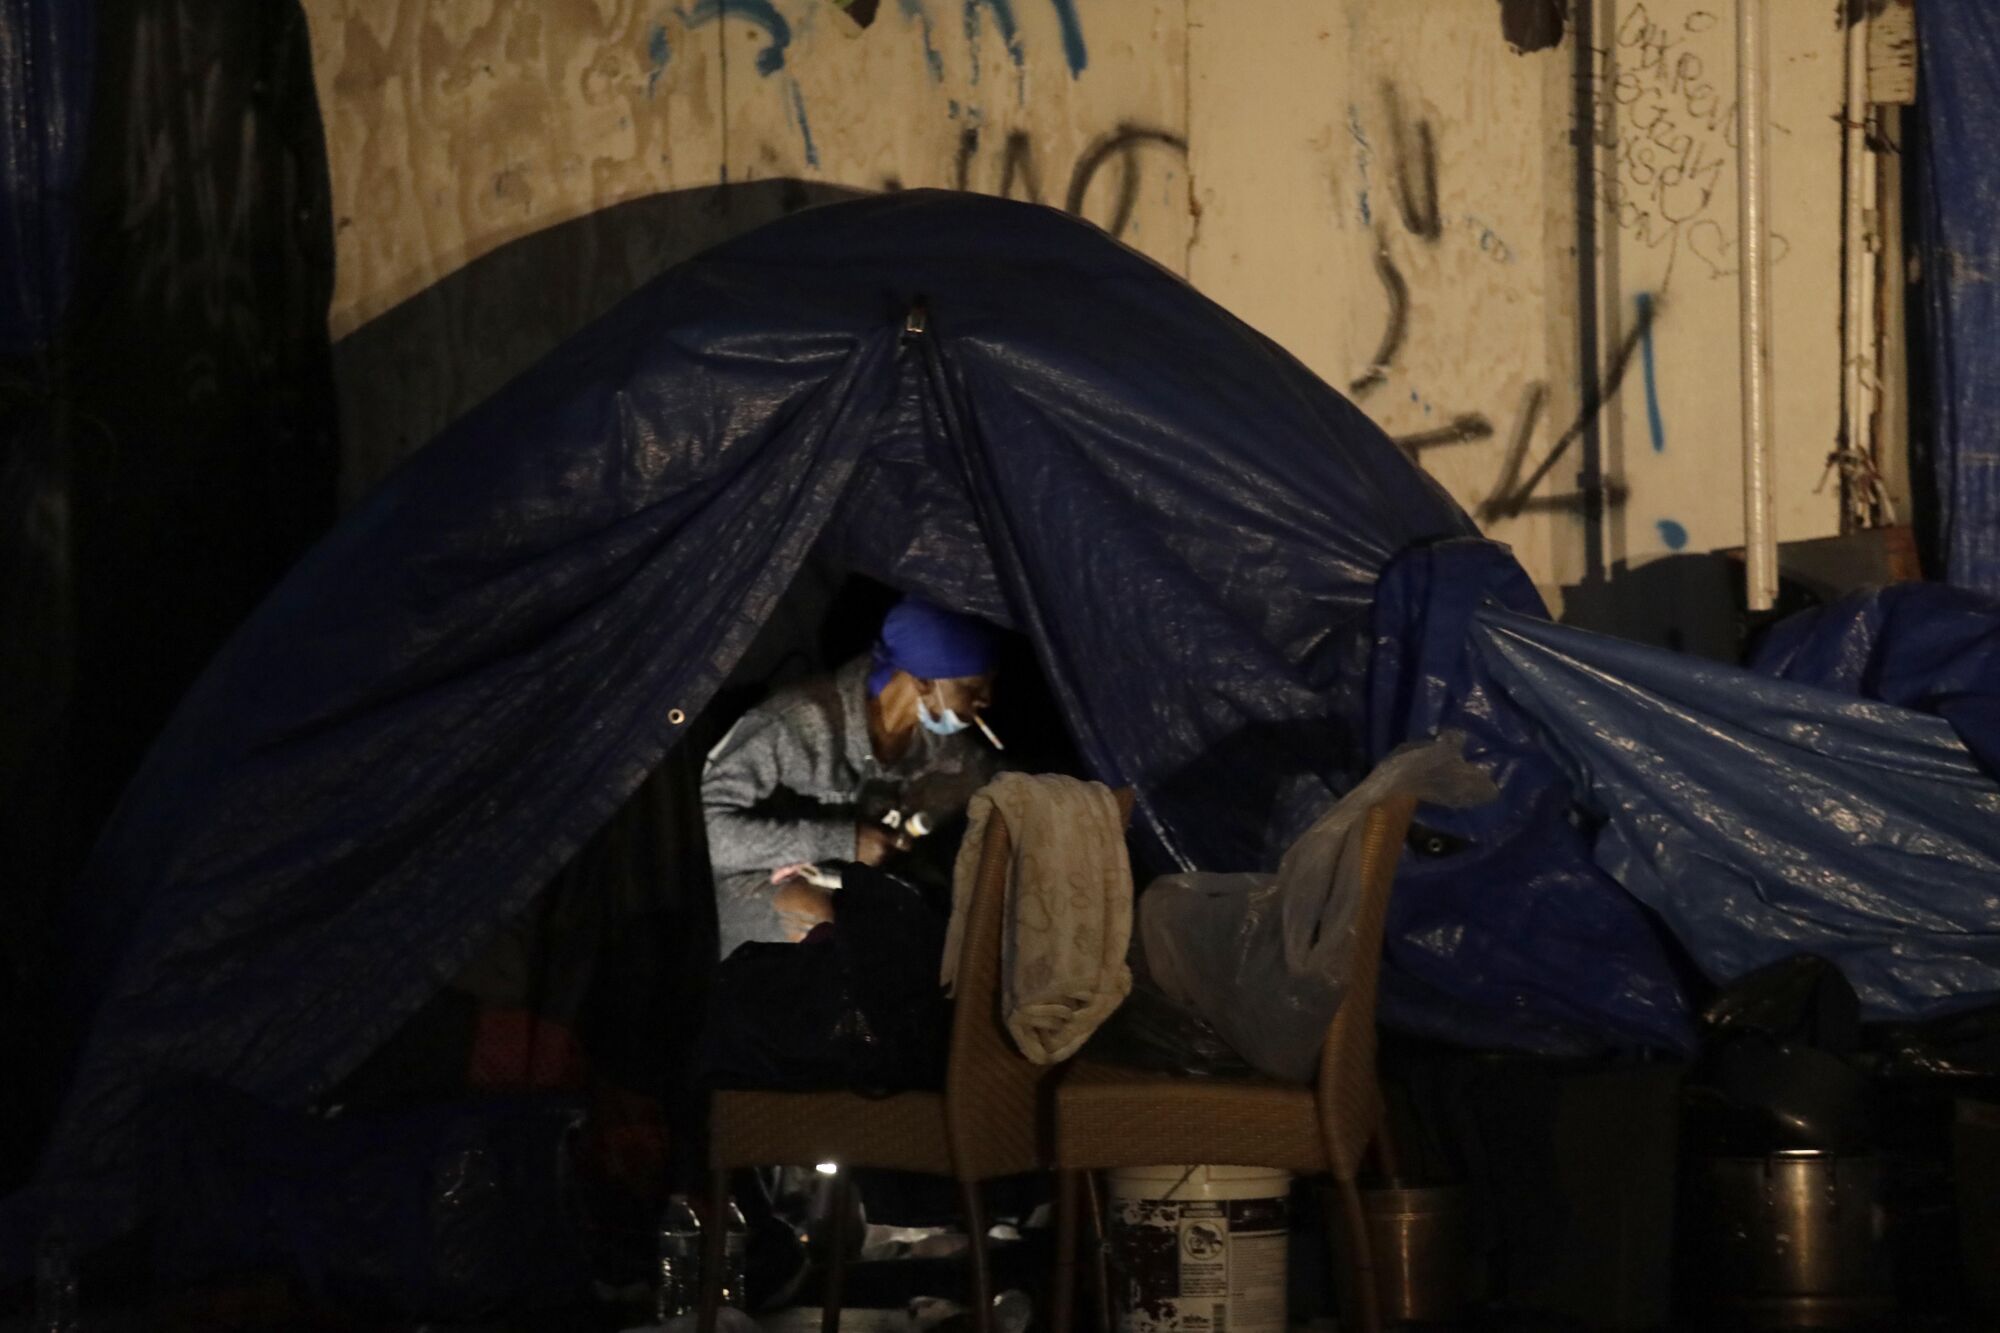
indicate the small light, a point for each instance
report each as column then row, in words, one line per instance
column 828, row 1168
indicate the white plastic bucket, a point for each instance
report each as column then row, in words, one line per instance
column 1199, row 1249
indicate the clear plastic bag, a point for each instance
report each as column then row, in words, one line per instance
column 1265, row 958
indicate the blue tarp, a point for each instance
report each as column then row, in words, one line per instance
column 1811, row 805
column 46, row 53
column 1561, row 961
column 467, row 677
column 994, row 405
column 1958, row 200
column 1927, row 646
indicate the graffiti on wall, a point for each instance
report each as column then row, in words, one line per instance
column 1120, row 157
column 977, row 17
column 1663, row 116
column 1412, row 176
column 1657, row 115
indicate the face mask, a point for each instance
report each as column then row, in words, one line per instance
column 949, row 723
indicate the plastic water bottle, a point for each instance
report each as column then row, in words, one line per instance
column 735, row 1258
column 679, row 1289
column 55, row 1283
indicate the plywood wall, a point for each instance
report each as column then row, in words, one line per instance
column 1389, row 189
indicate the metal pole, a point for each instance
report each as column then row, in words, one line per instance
column 1760, row 539
column 1857, row 325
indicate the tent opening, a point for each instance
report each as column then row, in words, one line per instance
column 599, row 987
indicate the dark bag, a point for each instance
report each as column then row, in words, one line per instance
column 1777, row 1071
column 855, row 1005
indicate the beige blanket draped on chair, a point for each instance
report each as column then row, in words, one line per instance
column 1069, row 909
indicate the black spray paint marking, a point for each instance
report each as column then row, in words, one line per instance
column 968, row 148
column 1506, row 503
column 1017, row 164
column 1463, row 429
column 1416, row 169
column 1126, row 144
column 1020, row 175
column 1611, row 495
column 1655, row 424
column 1395, row 329
column 1533, row 400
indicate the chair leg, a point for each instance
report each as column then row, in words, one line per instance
column 1360, row 1259
column 982, row 1276
column 714, row 1239
column 836, row 1255
column 1100, row 1245
column 1062, row 1301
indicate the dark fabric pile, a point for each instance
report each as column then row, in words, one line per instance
column 855, row 1005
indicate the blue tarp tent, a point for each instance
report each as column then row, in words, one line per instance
column 988, row 402
column 1957, row 195
column 1241, row 592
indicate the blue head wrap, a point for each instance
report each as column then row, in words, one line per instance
column 931, row 643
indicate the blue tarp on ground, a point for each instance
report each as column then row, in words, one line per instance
column 1958, row 200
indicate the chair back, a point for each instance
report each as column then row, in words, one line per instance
column 1349, row 1090
column 993, row 1102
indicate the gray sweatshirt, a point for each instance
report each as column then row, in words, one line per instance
column 788, row 782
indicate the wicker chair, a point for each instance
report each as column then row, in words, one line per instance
column 988, row 1121
column 1108, row 1116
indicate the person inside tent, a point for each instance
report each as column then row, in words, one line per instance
column 845, row 767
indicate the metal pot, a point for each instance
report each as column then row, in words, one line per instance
column 1792, row 1240
column 1420, row 1243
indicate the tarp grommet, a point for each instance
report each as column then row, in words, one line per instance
column 676, row 716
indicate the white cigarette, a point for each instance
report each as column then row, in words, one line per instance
column 980, row 722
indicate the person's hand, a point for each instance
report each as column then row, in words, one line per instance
column 801, row 907
column 874, row 843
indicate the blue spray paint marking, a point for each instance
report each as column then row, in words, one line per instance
column 914, row 9
column 1653, row 421
column 1074, row 50
column 1490, row 241
column 1003, row 19
column 1672, row 534
column 805, row 129
column 659, row 52
column 760, row 12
